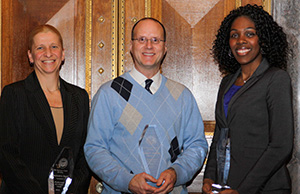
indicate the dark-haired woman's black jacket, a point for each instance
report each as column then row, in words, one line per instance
column 260, row 120
column 28, row 142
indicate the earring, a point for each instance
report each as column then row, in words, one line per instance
column 262, row 51
column 230, row 53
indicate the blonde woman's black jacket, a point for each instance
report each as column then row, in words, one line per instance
column 28, row 142
column 260, row 122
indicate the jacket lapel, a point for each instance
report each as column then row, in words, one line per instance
column 223, row 90
column 42, row 112
column 40, row 107
column 264, row 65
column 70, row 114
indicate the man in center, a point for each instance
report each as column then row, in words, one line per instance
column 145, row 131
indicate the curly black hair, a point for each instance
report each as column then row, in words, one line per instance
column 272, row 39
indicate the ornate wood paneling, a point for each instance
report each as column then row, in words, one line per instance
column 79, row 43
column 265, row 3
column 104, row 42
column 69, row 20
column 121, row 37
column 88, row 45
column 245, row 2
column 156, row 9
column 134, row 10
column 190, row 33
column 18, row 19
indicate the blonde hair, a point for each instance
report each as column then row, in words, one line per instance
column 43, row 28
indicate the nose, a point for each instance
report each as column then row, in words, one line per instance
column 149, row 44
column 241, row 40
column 48, row 52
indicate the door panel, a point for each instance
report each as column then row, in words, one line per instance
column 67, row 22
column 190, row 37
column 102, row 23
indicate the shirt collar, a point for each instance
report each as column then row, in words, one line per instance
column 140, row 78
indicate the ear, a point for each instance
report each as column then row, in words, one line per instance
column 63, row 55
column 130, row 46
column 31, row 60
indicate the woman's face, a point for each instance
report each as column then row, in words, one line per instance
column 243, row 41
column 46, row 53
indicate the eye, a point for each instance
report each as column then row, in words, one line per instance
column 39, row 48
column 234, row 35
column 142, row 39
column 54, row 46
column 154, row 40
column 250, row 34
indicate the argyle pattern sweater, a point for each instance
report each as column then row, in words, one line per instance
column 121, row 109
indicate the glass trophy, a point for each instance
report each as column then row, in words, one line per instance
column 223, row 160
column 150, row 151
column 61, row 172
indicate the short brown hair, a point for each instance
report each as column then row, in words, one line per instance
column 149, row 18
column 43, row 28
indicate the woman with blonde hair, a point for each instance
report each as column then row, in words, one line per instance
column 39, row 117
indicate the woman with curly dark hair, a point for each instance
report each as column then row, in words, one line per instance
column 253, row 138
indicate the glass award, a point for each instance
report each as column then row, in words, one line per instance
column 223, row 160
column 150, row 151
column 61, row 172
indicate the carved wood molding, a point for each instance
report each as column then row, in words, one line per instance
column 238, row 3
column 267, row 4
column 209, row 127
column 121, row 37
column 88, row 46
column 114, row 39
column 147, row 8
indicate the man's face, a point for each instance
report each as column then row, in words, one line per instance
column 148, row 47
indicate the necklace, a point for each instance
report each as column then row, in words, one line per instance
column 58, row 88
column 246, row 79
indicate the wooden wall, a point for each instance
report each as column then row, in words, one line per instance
column 19, row 17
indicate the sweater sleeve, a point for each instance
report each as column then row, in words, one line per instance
column 16, row 175
column 194, row 142
column 97, row 153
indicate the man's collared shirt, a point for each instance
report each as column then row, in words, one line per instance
column 140, row 78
